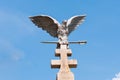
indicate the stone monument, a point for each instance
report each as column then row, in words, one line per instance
column 61, row 31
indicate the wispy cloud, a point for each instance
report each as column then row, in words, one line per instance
column 16, row 24
column 117, row 77
column 13, row 27
column 9, row 52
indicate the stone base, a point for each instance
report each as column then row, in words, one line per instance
column 65, row 76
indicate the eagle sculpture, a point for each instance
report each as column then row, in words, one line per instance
column 55, row 29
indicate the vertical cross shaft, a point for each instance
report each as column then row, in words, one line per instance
column 64, row 61
column 64, row 64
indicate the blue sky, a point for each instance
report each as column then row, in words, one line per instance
column 23, row 57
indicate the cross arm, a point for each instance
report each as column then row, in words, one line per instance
column 57, row 63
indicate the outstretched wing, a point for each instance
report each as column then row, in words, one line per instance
column 47, row 23
column 74, row 21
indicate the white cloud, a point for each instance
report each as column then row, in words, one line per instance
column 117, row 77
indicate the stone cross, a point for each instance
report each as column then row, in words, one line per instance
column 64, row 64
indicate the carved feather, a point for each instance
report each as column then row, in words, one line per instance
column 47, row 23
column 74, row 21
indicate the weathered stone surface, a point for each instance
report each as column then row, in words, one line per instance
column 72, row 63
column 65, row 76
column 64, row 64
column 57, row 63
column 58, row 52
